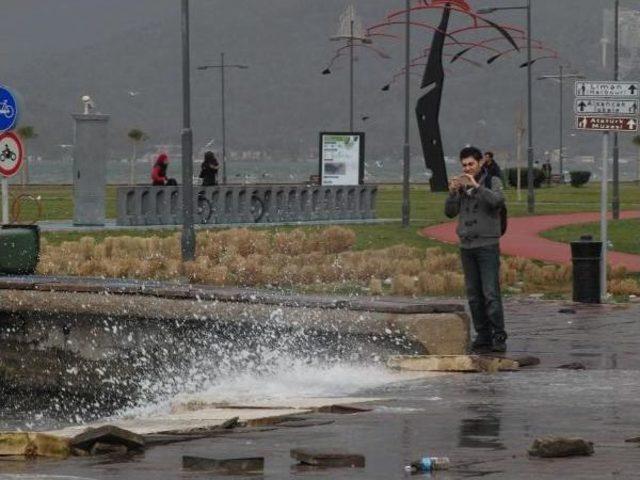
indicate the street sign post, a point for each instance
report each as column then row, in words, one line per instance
column 608, row 89
column 587, row 106
column 606, row 106
column 606, row 124
column 8, row 109
column 11, row 155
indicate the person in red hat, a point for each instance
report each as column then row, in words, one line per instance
column 159, row 171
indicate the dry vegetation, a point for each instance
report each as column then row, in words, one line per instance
column 323, row 261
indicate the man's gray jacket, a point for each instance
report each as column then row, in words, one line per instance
column 479, row 213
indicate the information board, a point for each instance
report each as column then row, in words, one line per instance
column 341, row 158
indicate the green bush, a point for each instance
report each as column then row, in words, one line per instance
column 579, row 177
column 512, row 176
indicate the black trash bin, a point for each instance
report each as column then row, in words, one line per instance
column 586, row 254
column 19, row 249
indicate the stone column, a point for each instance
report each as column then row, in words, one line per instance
column 89, row 168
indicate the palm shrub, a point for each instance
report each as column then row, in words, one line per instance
column 579, row 177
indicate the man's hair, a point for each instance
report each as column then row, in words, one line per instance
column 474, row 152
column 489, row 154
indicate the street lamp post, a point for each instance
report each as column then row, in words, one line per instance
column 188, row 242
column 615, row 207
column 560, row 78
column 222, row 66
column 406, row 166
column 530, row 190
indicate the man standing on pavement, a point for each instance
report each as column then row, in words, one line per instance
column 491, row 168
column 477, row 207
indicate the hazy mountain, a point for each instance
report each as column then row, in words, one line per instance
column 54, row 51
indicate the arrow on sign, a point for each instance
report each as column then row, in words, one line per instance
column 582, row 106
column 632, row 124
column 633, row 89
column 583, row 123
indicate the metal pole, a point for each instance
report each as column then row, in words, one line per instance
column 615, row 206
column 224, row 123
column 603, row 217
column 406, row 170
column 530, row 194
column 351, row 78
column 188, row 242
column 560, row 154
column 5, row 201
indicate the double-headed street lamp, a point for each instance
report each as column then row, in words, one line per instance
column 560, row 78
column 222, row 66
column 530, row 191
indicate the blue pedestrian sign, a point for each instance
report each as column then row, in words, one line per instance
column 8, row 109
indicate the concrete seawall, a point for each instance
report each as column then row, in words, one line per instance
column 97, row 338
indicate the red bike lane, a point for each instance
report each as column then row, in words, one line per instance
column 522, row 238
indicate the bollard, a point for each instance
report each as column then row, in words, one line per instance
column 585, row 254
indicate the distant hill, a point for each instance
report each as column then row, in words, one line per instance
column 57, row 51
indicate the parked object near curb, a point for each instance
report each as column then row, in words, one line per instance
column 451, row 363
column 226, row 466
column 428, row 464
column 320, row 458
column 557, row 447
column 19, row 249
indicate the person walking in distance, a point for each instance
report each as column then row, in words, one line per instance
column 159, row 170
column 209, row 170
column 478, row 210
column 491, row 168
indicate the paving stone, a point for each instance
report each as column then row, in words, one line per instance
column 572, row 366
column 332, row 458
column 227, row 466
column 108, row 434
column 451, row 363
column 555, row 447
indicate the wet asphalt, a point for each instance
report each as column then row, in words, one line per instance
column 483, row 422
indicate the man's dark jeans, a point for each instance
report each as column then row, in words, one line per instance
column 481, row 267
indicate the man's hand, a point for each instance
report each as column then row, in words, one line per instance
column 472, row 180
column 454, row 185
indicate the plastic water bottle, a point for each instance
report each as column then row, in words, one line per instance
column 428, row 464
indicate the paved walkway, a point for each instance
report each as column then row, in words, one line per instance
column 522, row 238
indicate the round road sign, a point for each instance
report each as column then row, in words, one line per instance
column 11, row 153
column 8, row 109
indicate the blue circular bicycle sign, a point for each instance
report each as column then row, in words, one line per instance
column 8, row 109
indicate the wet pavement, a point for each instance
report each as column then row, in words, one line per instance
column 483, row 422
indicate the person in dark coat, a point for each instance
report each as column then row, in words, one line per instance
column 490, row 169
column 209, row 170
column 159, row 171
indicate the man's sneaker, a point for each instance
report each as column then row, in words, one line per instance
column 481, row 346
column 499, row 347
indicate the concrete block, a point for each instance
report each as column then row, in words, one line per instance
column 108, row 434
column 319, row 458
column 223, row 466
column 555, row 447
column 441, row 334
column 23, row 444
column 451, row 363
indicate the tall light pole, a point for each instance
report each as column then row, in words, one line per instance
column 615, row 201
column 530, row 190
column 406, row 166
column 188, row 242
column 222, row 66
column 560, row 78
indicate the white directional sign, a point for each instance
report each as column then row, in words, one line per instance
column 608, row 89
column 607, row 124
column 605, row 106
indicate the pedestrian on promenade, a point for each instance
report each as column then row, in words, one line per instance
column 477, row 207
column 159, row 172
column 209, row 170
column 490, row 168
